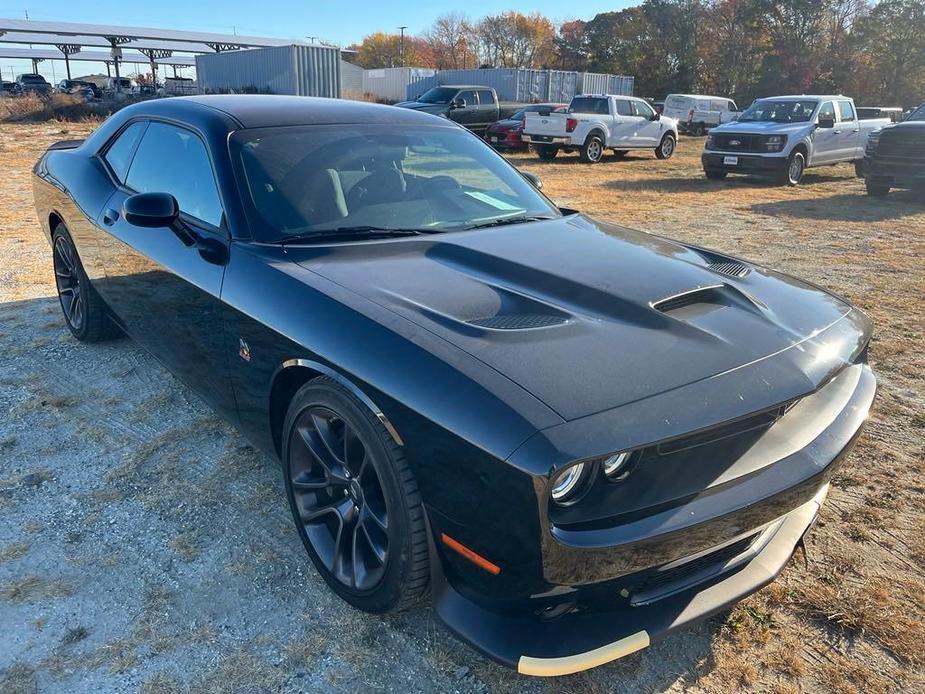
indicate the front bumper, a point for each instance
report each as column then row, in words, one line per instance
column 745, row 163
column 899, row 172
column 595, row 618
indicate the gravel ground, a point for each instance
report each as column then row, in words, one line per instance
column 146, row 546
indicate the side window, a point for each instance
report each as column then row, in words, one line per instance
column 119, row 154
column 846, row 109
column 643, row 109
column 486, row 98
column 173, row 160
column 469, row 97
column 623, row 107
column 827, row 110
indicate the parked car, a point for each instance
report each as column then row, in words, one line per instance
column 506, row 133
column 895, row 156
column 595, row 123
column 79, row 87
column 32, row 83
column 659, row 106
column 10, row 88
column 112, row 85
column 782, row 136
column 144, row 89
column 472, row 106
column 697, row 113
column 541, row 417
column 178, row 86
column 894, row 113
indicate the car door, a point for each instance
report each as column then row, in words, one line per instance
column 488, row 109
column 647, row 129
column 164, row 289
column 825, row 140
column 848, row 132
column 469, row 114
column 625, row 122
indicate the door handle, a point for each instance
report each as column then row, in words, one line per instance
column 110, row 217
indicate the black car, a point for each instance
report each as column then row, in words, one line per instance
column 10, row 88
column 578, row 436
column 895, row 156
column 82, row 87
column 33, row 83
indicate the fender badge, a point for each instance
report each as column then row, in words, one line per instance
column 243, row 350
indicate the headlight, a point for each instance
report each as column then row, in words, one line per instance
column 775, row 143
column 710, row 143
column 616, row 467
column 568, row 483
column 872, row 141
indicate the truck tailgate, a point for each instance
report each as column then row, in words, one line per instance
column 553, row 124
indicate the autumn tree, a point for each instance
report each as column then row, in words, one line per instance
column 380, row 50
column 512, row 39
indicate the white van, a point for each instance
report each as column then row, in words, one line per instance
column 697, row 113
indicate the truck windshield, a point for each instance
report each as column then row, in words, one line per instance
column 779, row 111
column 917, row 114
column 327, row 178
column 437, row 95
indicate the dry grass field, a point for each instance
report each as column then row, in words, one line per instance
column 145, row 546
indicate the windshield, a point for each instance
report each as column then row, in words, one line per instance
column 437, row 95
column 779, row 111
column 32, row 78
column 311, row 179
column 917, row 114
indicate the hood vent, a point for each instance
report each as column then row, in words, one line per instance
column 731, row 268
column 517, row 321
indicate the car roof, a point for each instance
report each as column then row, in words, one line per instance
column 805, row 96
column 264, row 110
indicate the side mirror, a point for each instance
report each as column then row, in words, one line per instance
column 826, row 122
column 151, row 210
column 532, row 179
column 656, row 116
column 458, row 103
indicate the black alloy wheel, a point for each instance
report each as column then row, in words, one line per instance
column 84, row 311
column 354, row 500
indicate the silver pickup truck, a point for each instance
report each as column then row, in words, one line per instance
column 782, row 136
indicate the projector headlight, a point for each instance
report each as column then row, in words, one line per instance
column 566, row 486
column 775, row 143
column 616, row 467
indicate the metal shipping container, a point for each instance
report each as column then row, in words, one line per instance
column 392, row 83
column 298, row 70
column 351, row 80
column 523, row 85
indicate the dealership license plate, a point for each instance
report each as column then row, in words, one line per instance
column 496, row 138
column 730, row 161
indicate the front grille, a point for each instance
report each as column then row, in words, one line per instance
column 730, row 268
column 902, row 145
column 762, row 420
column 662, row 583
column 518, row 321
column 731, row 142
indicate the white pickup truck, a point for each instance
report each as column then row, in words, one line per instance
column 595, row 123
column 782, row 136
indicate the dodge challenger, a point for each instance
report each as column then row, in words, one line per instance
column 578, row 437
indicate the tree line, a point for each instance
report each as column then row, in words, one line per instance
column 873, row 51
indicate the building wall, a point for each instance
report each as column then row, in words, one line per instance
column 523, row 85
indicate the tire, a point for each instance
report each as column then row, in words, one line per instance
column 796, row 166
column 859, row 168
column 373, row 498
column 876, row 188
column 546, row 152
column 715, row 174
column 84, row 311
column 592, row 151
column 666, row 147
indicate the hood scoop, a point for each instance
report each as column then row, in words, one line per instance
column 722, row 264
column 518, row 321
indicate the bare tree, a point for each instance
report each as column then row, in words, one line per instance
column 451, row 38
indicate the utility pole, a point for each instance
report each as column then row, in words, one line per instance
column 401, row 46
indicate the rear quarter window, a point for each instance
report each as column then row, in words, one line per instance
column 119, row 154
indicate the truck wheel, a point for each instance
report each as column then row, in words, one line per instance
column 592, row 151
column 547, row 152
column 666, row 147
column 796, row 165
column 715, row 174
column 859, row 168
column 876, row 188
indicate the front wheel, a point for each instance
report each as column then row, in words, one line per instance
column 876, row 188
column 796, row 165
column 592, row 151
column 859, row 168
column 547, row 152
column 354, row 499
column 666, row 147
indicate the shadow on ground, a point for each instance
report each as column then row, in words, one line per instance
column 847, row 207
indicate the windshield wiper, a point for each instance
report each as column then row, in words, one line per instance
column 365, row 231
column 508, row 220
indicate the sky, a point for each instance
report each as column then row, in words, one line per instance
column 334, row 21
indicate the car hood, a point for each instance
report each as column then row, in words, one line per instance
column 761, row 127
column 585, row 316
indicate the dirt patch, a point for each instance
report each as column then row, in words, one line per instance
column 146, row 546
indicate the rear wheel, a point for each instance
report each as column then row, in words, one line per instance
column 354, row 499
column 715, row 174
column 592, row 151
column 84, row 312
column 666, row 147
column 876, row 188
column 547, row 152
